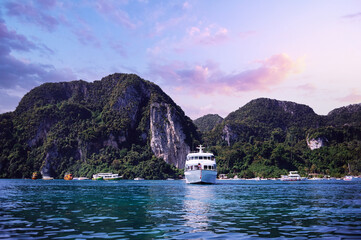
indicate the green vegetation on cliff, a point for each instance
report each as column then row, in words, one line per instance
column 267, row 138
column 85, row 128
column 126, row 125
column 207, row 122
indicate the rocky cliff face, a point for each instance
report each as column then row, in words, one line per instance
column 61, row 125
column 315, row 143
column 167, row 135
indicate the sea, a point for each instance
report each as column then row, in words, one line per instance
column 172, row 209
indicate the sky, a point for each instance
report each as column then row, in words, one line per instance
column 209, row 56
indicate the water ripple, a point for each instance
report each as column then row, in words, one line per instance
column 172, row 209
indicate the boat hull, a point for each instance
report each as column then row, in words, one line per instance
column 201, row 176
column 97, row 178
column 112, row 179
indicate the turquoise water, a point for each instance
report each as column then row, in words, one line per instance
column 61, row 209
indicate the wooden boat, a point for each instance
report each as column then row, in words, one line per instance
column 68, row 176
column 35, row 176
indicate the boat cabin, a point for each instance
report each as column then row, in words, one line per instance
column 200, row 161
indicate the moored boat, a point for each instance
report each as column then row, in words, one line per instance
column 292, row 176
column 200, row 167
column 348, row 178
column 35, row 176
column 48, row 178
column 106, row 176
column 81, row 178
column 68, row 176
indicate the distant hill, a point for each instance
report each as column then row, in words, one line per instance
column 267, row 136
column 349, row 115
column 121, row 123
column 207, row 122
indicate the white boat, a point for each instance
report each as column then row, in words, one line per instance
column 348, row 178
column 48, row 178
column 106, row 176
column 292, row 176
column 80, row 178
column 138, row 179
column 200, row 167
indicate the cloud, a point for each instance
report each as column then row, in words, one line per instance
column 12, row 40
column 14, row 72
column 355, row 15
column 29, row 13
column 111, row 9
column 208, row 78
column 244, row 35
column 161, row 27
column 210, row 35
column 353, row 97
column 85, row 35
column 118, row 48
column 18, row 76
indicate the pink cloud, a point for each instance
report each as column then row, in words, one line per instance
column 194, row 37
column 353, row 97
column 209, row 78
column 246, row 34
column 308, row 87
column 111, row 9
column 165, row 25
column 32, row 14
column 210, row 35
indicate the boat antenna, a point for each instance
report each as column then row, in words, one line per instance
column 200, row 147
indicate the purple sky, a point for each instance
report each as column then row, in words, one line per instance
column 209, row 56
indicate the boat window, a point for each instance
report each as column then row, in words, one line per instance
column 205, row 167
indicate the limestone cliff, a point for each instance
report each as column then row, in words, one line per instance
column 81, row 125
column 167, row 135
column 315, row 143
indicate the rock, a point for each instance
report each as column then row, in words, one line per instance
column 315, row 143
column 167, row 136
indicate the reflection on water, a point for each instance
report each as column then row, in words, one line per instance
column 172, row 209
column 197, row 206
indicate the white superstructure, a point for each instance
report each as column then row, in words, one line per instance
column 200, row 167
column 292, row 176
column 106, row 176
